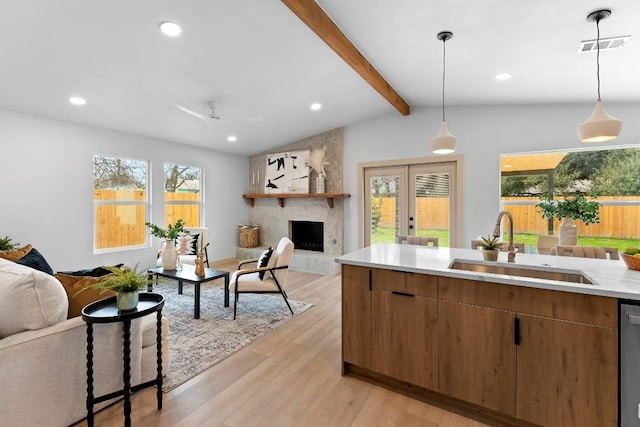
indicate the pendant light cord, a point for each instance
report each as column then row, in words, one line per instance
column 444, row 55
column 598, row 56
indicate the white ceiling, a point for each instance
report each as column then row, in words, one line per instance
column 258, row 60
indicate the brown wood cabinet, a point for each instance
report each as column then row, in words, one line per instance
column 405, row 327
column 567, row 373
column 478, row 355
column 356, row 316
column 540, row 356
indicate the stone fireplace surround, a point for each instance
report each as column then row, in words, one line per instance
column 273, row 220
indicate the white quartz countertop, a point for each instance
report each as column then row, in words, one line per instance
column 609, row 277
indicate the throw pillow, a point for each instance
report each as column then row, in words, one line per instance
column 263, row 261
column 15, row 254
column 73, row 284
column 34, row 259
column 29, row 299
column 187, row 244
column 91, row 272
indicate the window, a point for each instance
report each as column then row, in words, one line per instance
column 121, row 203
column 182, row 195
column 612, row 175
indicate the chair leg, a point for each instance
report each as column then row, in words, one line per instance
column 235, row 301
column 284, row 294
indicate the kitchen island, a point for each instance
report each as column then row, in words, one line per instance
column 507, row 348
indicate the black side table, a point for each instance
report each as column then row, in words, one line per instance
column 105, row 311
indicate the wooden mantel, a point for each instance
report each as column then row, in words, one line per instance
column 282, row 196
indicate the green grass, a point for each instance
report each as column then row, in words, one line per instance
column 388, row 235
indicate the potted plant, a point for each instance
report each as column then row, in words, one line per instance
column 126, row 282
column 7, row 245
column 490, row 248
column 568, row 210
column 169, row 253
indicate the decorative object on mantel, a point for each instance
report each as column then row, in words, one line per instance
column 490, row 248
column 600, row 126
column 317, row 161
column 567, row 210
column 287, row 172
column 127, row 282
column 281, row 197
column 169, row 253
column 249, row 236
column 444, row 142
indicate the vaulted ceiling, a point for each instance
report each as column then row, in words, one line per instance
column 264, row 66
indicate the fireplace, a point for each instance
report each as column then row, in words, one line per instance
column 307, row 235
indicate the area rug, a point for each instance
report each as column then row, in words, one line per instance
column 197, row 344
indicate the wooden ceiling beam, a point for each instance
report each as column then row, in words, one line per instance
column 309, row 12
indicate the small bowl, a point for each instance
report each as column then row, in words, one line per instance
column 633, row 262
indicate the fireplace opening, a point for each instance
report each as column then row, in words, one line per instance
column 308, row 235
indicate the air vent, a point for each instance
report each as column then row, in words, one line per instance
column 605, row 44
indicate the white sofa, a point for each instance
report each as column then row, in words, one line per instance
column 43, row 379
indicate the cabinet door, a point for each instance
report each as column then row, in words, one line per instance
column 356, row 315
column 567, row 373
column 405, row 337
column 478, row 355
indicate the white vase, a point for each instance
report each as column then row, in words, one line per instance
column 127, row 300
column 567, row 232
column 490, row 254
column 320, row 184
column 169, row 255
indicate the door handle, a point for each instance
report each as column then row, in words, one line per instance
column 404, row 294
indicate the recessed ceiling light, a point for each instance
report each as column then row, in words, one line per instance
column 76, row 100
column 503, row 76
column 316, row 106
column 232, row 138
column 170, row 29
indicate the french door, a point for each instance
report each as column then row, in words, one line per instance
column 415, row 200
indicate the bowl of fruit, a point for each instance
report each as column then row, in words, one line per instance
column 631, row 257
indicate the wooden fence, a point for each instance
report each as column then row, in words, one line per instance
column 124, row 225
column 615, row 221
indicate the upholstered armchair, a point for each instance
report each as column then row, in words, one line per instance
column 268, row 277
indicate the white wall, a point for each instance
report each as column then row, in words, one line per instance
column 46, row 196
column 484, row 132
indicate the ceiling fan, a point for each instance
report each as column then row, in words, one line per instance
column 213, row 115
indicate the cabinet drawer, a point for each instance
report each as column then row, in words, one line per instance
column 591, row 309
column 406, row 283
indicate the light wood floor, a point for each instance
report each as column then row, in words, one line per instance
column 290, row 377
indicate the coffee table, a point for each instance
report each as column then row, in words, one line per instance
column 187, row 274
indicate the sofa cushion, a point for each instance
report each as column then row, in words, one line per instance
column 34, row 259
column 92, row 272
column 29, row 299
column 77, row 301
column 187, row 244
column 15, row 254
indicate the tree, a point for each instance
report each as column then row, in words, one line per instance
column 176, row 175
column 115, row 172
column 620, row 174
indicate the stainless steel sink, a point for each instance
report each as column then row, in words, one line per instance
column 534, row 272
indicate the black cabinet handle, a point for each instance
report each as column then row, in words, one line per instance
column 404, row 294
column 516, row 331
column 370, row 280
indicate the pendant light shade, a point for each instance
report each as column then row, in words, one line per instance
column 444, row 142
column 600, row 126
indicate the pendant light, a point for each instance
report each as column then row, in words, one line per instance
column 600, row 126
column 444, row 142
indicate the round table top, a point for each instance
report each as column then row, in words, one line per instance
column 106, row 311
